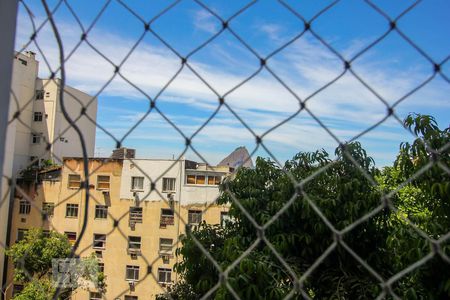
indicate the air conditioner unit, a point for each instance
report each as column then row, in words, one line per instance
column 132, row 284
column 165, row 259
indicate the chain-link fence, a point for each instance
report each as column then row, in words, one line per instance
column 76, row 109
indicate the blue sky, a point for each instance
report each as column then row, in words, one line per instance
column 392, row 68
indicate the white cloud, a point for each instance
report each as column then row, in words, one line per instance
column 205, row 21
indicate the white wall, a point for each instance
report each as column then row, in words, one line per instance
column 153, row 168
column 23, row 86
column 185, row 193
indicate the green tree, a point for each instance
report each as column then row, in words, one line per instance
column 343, row 192
column 32, row 259
column 422, row 184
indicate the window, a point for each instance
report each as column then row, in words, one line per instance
column 196, row 179
column 95, row 296
column 164, row 275
column 214, row 180
column 224, row 218
column 132, row 273
column 39, row 94
column 72, row 236
column 35, row 138
column 71, row 210
column 102, row 182
column 24, row 207
column 21, row 234
column 37, row 116
column 168, row 185
column 166, row 217
column 131, row 297
column 17, row 288
column 23, row 61
column 134, row 242
column 137, row 183
column 74, row 181
column 101, row 211
column 165, row 246
column 135, row 214
column 101, row 267
column 99, row 241
column 48, row 208
column 194, row 216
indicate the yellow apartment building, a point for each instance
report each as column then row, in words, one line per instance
column 138, row 209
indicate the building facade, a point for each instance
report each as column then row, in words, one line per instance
column 36, row 119
column 42, row 121
column 137, row 211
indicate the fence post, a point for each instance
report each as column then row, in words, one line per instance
column 8, row 18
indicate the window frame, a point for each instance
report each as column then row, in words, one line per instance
column 39, row 94
column 95, row 296
column 24, row 207
column 169, row 181
column 194, row 214
column 21, row 233
column 136, row 216
column 74, row 207
column 99, row 241
column 164, row 248
column 165, row 271
column 103, row 182
column 71, row 233
column 101, row 212
column 71, row 181
column 134, row 269
column 134, row 245
column 133, row 187
column 36, row 138
column 48, row 208
column 38, row 116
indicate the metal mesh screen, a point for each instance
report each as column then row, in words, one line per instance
column 62, row 55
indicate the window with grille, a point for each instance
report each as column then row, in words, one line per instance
column 37, row 116
column 194, row 216
column 101, row 211
column 74, row 181
column 24, row 207
column 99, row 241
column 103, row 182
column 35, row 138
column 168, row 184
column 39, row 94
column 95, row 296
column 164, row 275
column 71, row 210
column 21, row 232
column 71, row 236
column 48, row 208
column 135, row 214
column 137, row 183
column 165, row 246
column 166, row 217
column 132, row 273
column 134, row 242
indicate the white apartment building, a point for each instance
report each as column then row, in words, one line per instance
column 35, row 102
column 41, row 117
